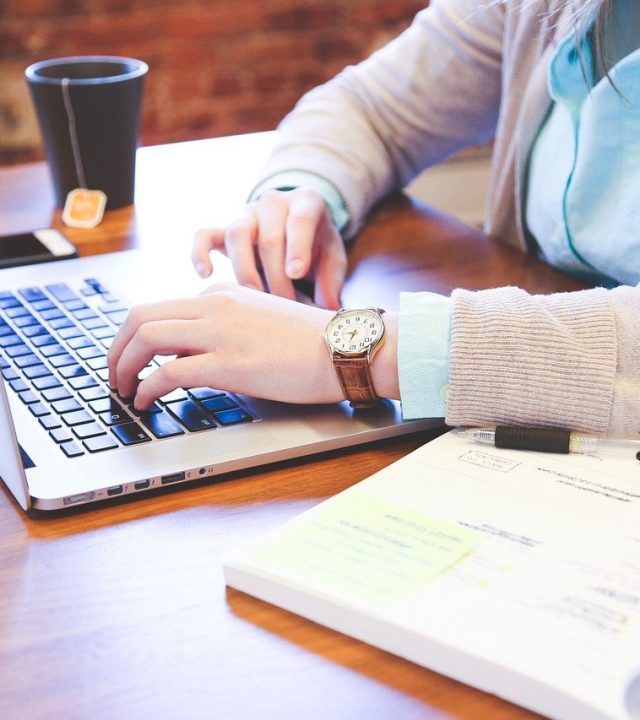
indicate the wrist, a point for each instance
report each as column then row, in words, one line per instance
column 384, row 367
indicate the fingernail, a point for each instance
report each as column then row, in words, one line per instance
column 201, row 269
column 294, row 268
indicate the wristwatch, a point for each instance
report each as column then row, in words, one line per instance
column 353, row 338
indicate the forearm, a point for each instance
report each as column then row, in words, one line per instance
column 377, row 124
column 570, row 359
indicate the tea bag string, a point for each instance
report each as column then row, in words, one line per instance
column 73, row 134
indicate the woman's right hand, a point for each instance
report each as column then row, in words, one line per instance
column 279, row 238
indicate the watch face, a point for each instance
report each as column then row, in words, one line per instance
column 354, row 331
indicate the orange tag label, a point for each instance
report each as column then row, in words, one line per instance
column 84, row 208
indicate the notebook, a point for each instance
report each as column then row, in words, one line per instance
column 515, row 572
column 67, row 440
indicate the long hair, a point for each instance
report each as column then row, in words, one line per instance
column 598, row 34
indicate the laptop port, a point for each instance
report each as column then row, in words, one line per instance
column 174, row 477
column 142, row 485
column 115, row 490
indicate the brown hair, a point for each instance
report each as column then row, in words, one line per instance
column 600, row 36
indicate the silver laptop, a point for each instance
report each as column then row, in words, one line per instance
column 66, row 440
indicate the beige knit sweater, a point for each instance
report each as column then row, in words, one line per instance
column 467, row 71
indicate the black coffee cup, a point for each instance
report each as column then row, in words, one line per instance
column 89, row 109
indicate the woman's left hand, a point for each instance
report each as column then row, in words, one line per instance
column 230, row 337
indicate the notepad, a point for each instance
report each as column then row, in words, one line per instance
column 514, row 572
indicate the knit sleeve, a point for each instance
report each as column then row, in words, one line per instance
column 565, row 360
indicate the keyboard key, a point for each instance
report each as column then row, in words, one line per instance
column 100, row 443
column 50, row 422
column 89, row 430
column 103, row 332
column 161, row 425
column 52, row 314
column 98, row 363
column 28, row 397
column 117, row 318
column 9, row 340
column 153, row 408
column 39, row 409
column 66, row 406
column 190, row 415
column 18, row 311
column 56, row 393
column 34, row 330
column 23, row 361
column 70, row 332
column 36, row 371
column 76, row 418
column 114, row 306
column 61, row 323
column 89, row 351
column 223, row 402
column 82, row 381
column 94, row 393
column 94, row 322
column 233, row 417
column 41, row 305
column 18, row 385
column 10, row 374
column 51, row 350
column 81, row 341
column 25, row 321
column 32, row 294
column 9, row 302
column 203, row 393
column 43, row 340
column 130, row 433
column 17, row 350
column 75, row 304
column 48, row 381
column 177, row 394
column 84, row 312
column 61, row 292
column 71, row 449
column 105, row 404
column 115, row 416
column 62, row 360
column 72, row 371
column 96, row 286
column 60, row 435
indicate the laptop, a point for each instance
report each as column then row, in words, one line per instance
column 66, row 440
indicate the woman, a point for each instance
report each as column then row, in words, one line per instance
column 555, row 84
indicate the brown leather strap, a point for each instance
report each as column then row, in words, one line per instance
column 355, row 379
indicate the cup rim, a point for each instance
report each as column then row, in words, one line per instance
column 138, row 68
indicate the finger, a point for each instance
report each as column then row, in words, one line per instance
column 271, row 212
column 161, row 337
column 192, row 371
column 177, row 309
column 240, row 240
column 331, row 269
column 205, row 241
column 306, row 209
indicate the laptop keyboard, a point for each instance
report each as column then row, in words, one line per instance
column 53, row 355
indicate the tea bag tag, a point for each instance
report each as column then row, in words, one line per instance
column 84, row 208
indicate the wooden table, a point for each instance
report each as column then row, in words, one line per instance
column 121, row 612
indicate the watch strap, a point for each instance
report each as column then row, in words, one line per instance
column 354, row 374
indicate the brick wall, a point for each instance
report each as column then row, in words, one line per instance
column 217, row 67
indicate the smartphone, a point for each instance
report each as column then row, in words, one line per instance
column 34, row 247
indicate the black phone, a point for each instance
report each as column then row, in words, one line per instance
column 35, row 247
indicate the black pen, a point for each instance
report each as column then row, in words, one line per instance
column 539, row 439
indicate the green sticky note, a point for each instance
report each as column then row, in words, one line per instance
column 366, row 548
